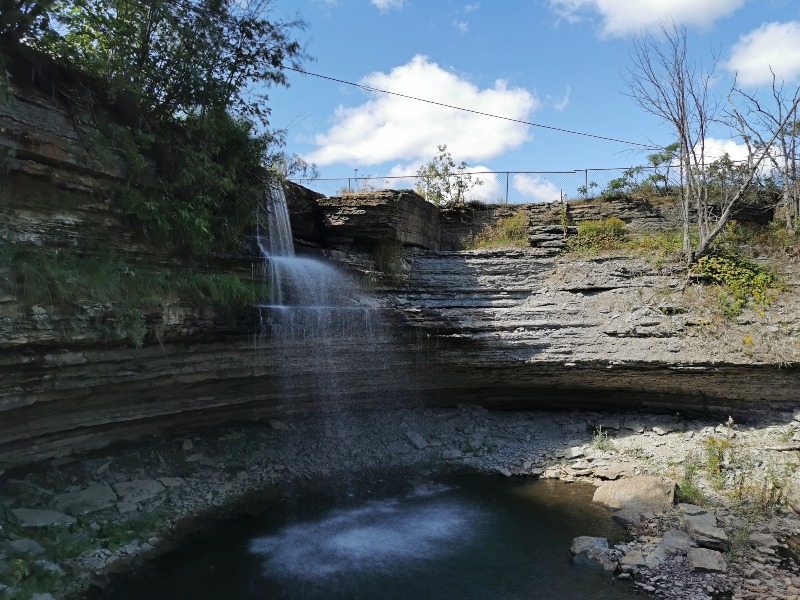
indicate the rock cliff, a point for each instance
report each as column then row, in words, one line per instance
column 504, row 328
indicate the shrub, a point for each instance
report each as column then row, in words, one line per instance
column 596, row 236
column 744, row 278
column 688, row 490
column 506, row 232
column 602, row 441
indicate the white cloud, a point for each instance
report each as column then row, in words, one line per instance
column 536, row 187
column 391, row 128
column 471, row 7
column 773, row 45
column 716, row 149
column 560, row 104
column 387, row 5
column 623, row 17
column 492, row 188
column 461, row 26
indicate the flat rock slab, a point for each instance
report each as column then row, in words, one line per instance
column 610, row 472
column 172, row 481
column 703, row 559
column 763, row 540
column 139, row 490
column 631, row 515
column 704, row 531
column 31, row 517
column 691, row 509
column 91, row 499
column 632, row 559
column 642, row 492
column 24, row 546
column 673, row 542
column 676, row 541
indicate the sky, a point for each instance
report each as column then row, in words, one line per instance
column 559, row 63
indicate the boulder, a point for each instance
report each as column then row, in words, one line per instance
column 763, row 540
column 416, row 439
column 642, row 492
column 138, row 490
column 30, row 517
column 673, row 542
column 703, row 559
column 24, row 546
column 592, row 552
column 676, row 541
column 91, row 499
column 703, row 529
column 632, row 559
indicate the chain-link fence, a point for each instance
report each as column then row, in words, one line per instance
column 506, row 187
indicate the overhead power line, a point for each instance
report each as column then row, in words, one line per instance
column 476, row 112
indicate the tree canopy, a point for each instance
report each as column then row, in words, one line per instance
column 188, row 80
column 177, row 58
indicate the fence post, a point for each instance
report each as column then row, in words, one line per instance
column 586, row 183
column 506, row 187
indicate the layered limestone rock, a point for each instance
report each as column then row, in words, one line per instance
column 371, row 217
column 504, row 328
column 522, row 328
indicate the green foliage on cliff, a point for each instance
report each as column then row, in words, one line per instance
column 506, row 232
column 599, row 236
column 177, row 91
column 196, row 188
column 115, row 295
column 743, row 278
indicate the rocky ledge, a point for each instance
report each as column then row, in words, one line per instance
column 71, row 523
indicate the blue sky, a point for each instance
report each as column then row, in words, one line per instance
column 556, row 62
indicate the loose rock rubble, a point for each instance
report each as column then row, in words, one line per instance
column 73, row 522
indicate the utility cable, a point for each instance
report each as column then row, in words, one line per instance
column 470, row 110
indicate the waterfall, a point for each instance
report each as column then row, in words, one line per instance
column 311, row 313
column 293, row 282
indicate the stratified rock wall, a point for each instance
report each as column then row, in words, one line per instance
column 461, row 223
column 368, row 217
column 522, row 328
column 504, row 328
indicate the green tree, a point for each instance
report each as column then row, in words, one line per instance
column 20, row 19
column 177, row 88
column 178, row 58
column 441, row 181
column 662, row 162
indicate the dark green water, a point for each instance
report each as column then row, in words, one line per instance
column 473, row 537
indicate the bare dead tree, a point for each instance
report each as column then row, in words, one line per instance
column 665, row 82
column 756, row 122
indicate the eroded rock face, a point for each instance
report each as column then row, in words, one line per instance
column 370, row 217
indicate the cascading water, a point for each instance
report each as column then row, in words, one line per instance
column 313, row 311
